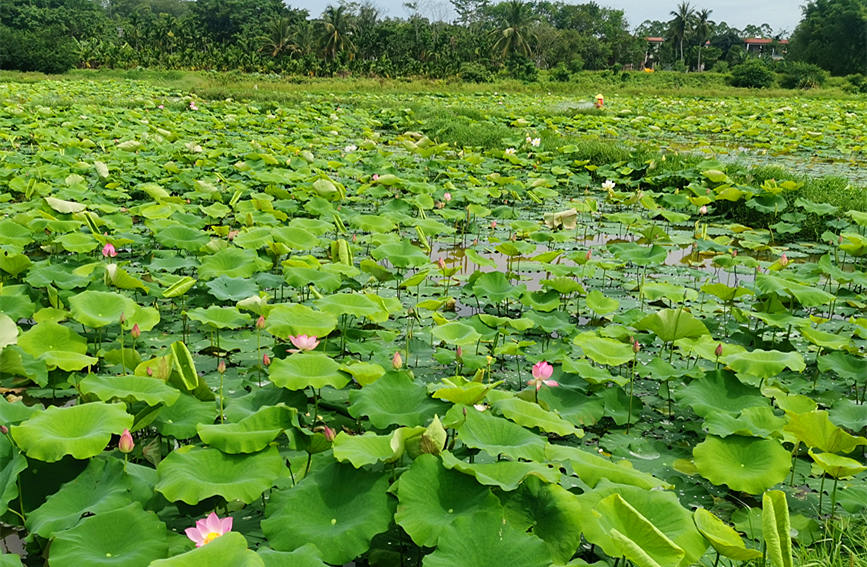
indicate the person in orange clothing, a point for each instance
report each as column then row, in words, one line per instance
column 600, row 101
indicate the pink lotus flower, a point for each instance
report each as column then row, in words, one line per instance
column 161, row 107
column 209, row 529
column 126, row 444
column 493, row 224
column 135, row 331
column 303, row 342
column 541, row 375
column 397, row 361
column 447, row 197
column 703, row 210
column 108, row 250
column 375, row 176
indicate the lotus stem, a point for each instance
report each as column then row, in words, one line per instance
column 821, row 493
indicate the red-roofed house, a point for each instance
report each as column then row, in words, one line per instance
column 760, row 45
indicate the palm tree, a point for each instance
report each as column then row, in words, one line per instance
column 278, row 37
column 514, row 31
column 337, row 27
column 702, row 30
column 680, row 23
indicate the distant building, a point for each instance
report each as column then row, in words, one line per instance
column 651, row 52
column 777, row 48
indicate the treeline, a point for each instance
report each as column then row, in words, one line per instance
column 513, row 37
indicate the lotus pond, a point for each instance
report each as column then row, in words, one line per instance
column 310, row 333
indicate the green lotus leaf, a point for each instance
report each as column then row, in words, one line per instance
column 231, row 289
column 602, row 350
column 181, row 286
column 506, row 475
column 228, row 549
column 431, row 497
column 466, row 393
column 659, row 512
column 845, row 365
column 653, row 291
column 105, row 485
column 402, row 254
column 305, row 556
column 12, row 462
column 532, row 415
column 78, row 242
column 776, row 528
column 721, row 391
column 836, row 465
column 845, row 413
column 301, row 278
column 816, row 430
column 456, row 333
column 352, row 304
column 10, row 560
column 220, row 317
column 592, row 374
column 371, row 448
column 49, row 336
column 747, row 464
column 484, row 539
column 365, row 373
column 12, row 413
column 254, row 238
column 394, row 399
column 82, row 431
column 752, row 422
column 373, row 223
column 251, row 434
column 300, row 370
column 295, row 319
column 117, row 277
column 232, row 263
column 592, row 469
column 672, row 324
column 184, row 366
column 191, row 474
column 8, row 331
column 494, row 287
column 14, row 361
column 105, row 539
column 151, row 391
column 637, row 254
column 295, row 238
column 13, row 263
column 68, row 361
column 181, row 418
column 830, row 341
column 600, row 304
column 724, row 539
column 100, row 308
column 338, row 507
column 495, row 435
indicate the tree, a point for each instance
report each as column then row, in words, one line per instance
column 680, row 24
column 514, row 31
column 833, row 35
column 337, row 32
column 702, row 30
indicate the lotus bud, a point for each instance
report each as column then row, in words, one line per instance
column 734, row 253
column 329, row 433
column 108, row 250
column 354, row 238
column 150, row 371
column 4, row 430
column 126, row 444
column 221, row 366
column 459, row 352
column 636, row 346
column 447, row 197
column 397, row 361
column 135, row 331
column 375, row 176
column 441, row 263
column 703, row 210
column 260, row 322
column 588, row 255
column 718, row 350
column 784, row 260
column 122, row 318
column 493, row 224
column 266, row 360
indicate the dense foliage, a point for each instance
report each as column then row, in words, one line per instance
column 310, row 333
column 833, row 35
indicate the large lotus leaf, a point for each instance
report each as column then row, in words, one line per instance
column 553, row 513
column 592, row 373
column 494, row 287
column 12, row 413
column 672, row 324
column 370, row 448
column 825, row 339
column 127, row 537
column 532, row 415
column 365, row 373
column 747, row 464
column 431, row 497
column 495, row 435
column 295, row 238
column 254, row 238
column 401, row 254
column 181, row 237
column 81, row 431
column 12, row 462
column 373, row 223
column 844, row 365
column 10, row 560
column 777, row 528
column 816, row 430
column 721, row 391
column 181, row 418
column 232, row 263
column 352, row 304
column 232, row 289
column 600, row 304
column 100, row 308
column 394, row 399
column 151, row 391
column 305, row 556
column 506, row 475
column 179, row 286
column 466, row 393
column 845, row 413
column 302, row 278
column 220, row 317
column 295, row 319
column 637, row 254
column 724, row 539
column 592, row 469
column 485, row 540
column 65, row 360
column 192, row 474
column 660, row 508
column 51, row 336
column 603, row 350
column 752, row 422
column 16, row 362
column 456, row 333
column 251, row 434
column 103, row 486
column 8, row 331
column 300, row 370
column 229, row 549
column 338, row 507
column 836, row 465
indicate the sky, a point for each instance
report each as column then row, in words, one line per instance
column 781, row 15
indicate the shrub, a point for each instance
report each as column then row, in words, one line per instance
column 801, row 75
column 521, row 68
column 560, row 74
column 46, row 52
column 474, row 73
column 752, row 73
column 720, row 66
column 856, row 83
